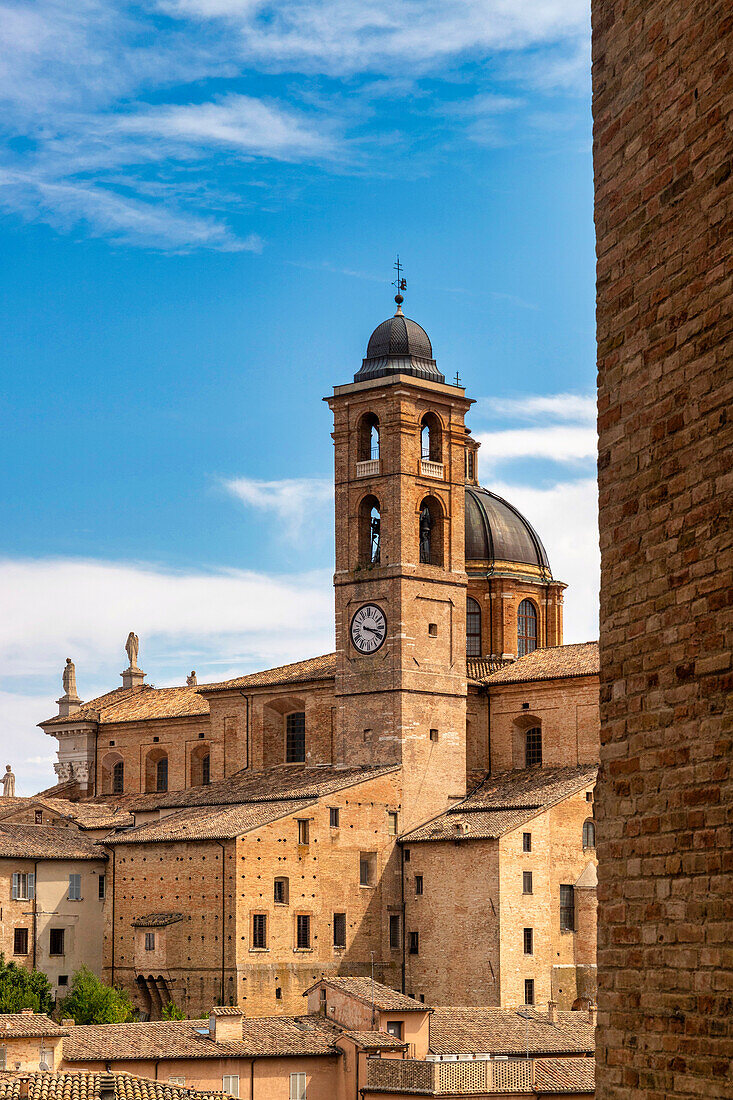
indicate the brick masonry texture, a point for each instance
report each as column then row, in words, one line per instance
column 663, row 103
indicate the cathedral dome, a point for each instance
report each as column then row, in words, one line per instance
column 496, row 533
column 399, row 346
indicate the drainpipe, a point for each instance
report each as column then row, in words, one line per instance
column 246, row 732
column 488, row 722
column 114, row 929
column 223, row 902
column 35, row 910
column 402, row 888
column 252, row 1078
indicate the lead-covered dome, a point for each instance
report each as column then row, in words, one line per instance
column 496, row 532
column 399, row 346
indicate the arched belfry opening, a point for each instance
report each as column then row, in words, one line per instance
column 370, row 531
column 431, row 438
column 430, row 531
column 368, row 438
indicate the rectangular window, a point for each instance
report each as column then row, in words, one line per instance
column 392, row 823
column 303, row 931
column 333, row 817
column 56, row 945
column 230, row 1084
column 205, row 770
column 259, row 930
column 367, row 861
column 3, row 1057
column 394, row 1027
column 394, row 932
column 414, row 943
column 533, row 748
column 20, row 941
column 567, row 908
column 63, row 979
column 176, row 1080
column 407, row 855
column 102, row 887
column 418, row 884
column 161, row 773
column 339, row 930
column 39, row 817
column 434, row 735
column 295, row 738
column 303, row 831
column 526, row 842
column 589, row 796
column 150, row 941
column 74, row 888
column 526, row 882
column 529, row 991
column 529, row 941
column 297, row 1086
column 281, row 891
column 23, row 886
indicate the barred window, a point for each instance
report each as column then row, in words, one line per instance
column 205, row 770
column 529, row 941
column 161, row 774
column 394, row 931
column 567, row 908
column 339, row 930
column 20, row 941
column 526, row 842
column 526, row 628
column 295, row 738
column 527, row 882
column 333, row 817
column 533, row 748
column 303, row 931
column 280, row 892
column 473, row 628
column 589, row 834
column 259, row 930
column 150, row 941
column 118, row 777
column 529, row 991
column 56, row 937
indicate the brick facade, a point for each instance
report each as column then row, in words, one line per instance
column 663, row 105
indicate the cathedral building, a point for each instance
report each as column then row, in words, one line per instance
column 417, row 804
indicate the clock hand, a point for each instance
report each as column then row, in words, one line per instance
column 371, row 630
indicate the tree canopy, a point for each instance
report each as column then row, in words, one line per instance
column 21, row 988
column 90, row 1001
column 171, row 1011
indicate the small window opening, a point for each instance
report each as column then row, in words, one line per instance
column 281, row 891
column 529, row 941
column 333, row 817
column 414, row 943
column 392, row 823
column 533, row 748
column 295, row 738
column 369, row 438
column 434, row 736
column 303, row 830
column 370, row 531
column 589, row 834
column 527, row 882
column 303, row 931
column 259, row 931
column 150, row 941
column 395, row 938
column 339, row 930
column 118, row 778
column 433, row 630
column 526, row 842
column 567, row 908
column 529, row 991
column 431, row 444
column 418, row 884
column 431, row 532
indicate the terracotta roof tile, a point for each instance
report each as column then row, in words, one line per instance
column 314, row 668
column 504, row 1031
column 138, row 704
column 46, row 842
column 504, row 802
column 87, row 814
column 479, row 668
column 87, row 1086
column 375, row 1040
column 261, row 1036
column 27, row 1025
column 157, row 920
column 208, row 822
column 565, row 1074
column 370, row 992
column 555, row 663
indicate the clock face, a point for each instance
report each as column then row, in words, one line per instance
column 368, row 628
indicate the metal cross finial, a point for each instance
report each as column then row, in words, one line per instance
column 458, row 379
column 401, row 284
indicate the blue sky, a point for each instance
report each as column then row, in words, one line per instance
column 200, row 205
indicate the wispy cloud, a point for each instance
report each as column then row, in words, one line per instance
column 560, row 444
column 566, row 407
column 296, row 502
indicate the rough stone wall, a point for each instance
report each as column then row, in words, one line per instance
column 663, row 103
column 565, row 710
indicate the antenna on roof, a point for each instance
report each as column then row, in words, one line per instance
column 401, row 284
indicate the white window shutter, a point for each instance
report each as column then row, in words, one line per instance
column 31, row 885
column 297, row 1086
column 16, row 884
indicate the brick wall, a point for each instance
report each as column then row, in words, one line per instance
column 663, row 100
column 565, row 710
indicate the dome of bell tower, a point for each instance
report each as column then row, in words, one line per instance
column 399, row 346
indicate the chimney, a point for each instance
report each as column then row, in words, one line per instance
column 106, row 1086
column 26, row 1011
column 23, row 1088
column 593, row 1015
column 225, row 1024
column 67, row 1022
column 552, row 1011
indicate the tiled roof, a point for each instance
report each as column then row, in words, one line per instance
column 556, row 663
column 565, row 1074
column 315, row 668
column 157, row 920
column 479, row 668
column 138, row 704
column 208, row 822
column 28, row 1025
column 504, row 1031
column 87, row 814
column 286, row 782
column 375, row 1040
column 503, row 802
column 46, row 842
column 381, row 996
column 88, row 1086
column 261, row 1036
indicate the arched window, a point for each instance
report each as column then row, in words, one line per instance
column 200, row 770
column 118, row 778
column 370, row 532
column 473, row 628
column 431, row 442
column 156, row 770
column 431, row 532
column 295, row 738
column 589, row 834
column 526, row 628
column 368, row 438
column 533, row 748
column 161, row 774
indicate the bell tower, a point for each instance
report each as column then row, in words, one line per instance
column 400, row 581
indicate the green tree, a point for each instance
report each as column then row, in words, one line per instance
column 21, row 988
column 90, row 1001
column 171, row 1011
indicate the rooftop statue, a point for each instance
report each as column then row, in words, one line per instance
column 132, row 646
column 8, row 782
column 69, row 678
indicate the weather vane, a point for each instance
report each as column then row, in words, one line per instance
column 400, row 284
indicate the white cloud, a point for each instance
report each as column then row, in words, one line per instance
column 565, row 407
column 292, row 500
column 560, row 444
